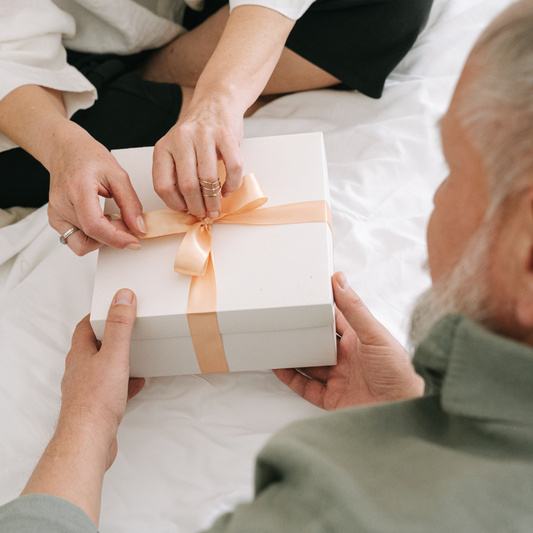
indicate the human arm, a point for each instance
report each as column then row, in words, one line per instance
column 372, row 365
column 35, row 118
column 95, row 389
column 212, row 125
column 39, row 90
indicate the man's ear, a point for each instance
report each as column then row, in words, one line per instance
column 524, row 239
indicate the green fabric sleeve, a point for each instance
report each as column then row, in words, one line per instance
column 301, row 485
column 44, row 514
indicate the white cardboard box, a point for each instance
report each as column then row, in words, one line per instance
column 274, row 296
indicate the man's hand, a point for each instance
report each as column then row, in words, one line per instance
column 96, row 383
column 372, row 365
column 95, row 387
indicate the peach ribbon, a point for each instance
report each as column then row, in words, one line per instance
column 194, row 257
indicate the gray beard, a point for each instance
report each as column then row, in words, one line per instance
column 465, row 289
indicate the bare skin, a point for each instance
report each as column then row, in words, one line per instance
column 95, row 389
column 230, row 61
column 80, row 169
column 183, row 60
column 224, row 67
column 372, row 366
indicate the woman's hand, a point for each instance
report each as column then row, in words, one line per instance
column 211, row 128
column 372, row 365
column 81, row 170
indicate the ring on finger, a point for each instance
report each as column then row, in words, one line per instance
column 210, row 189
column 63, row 238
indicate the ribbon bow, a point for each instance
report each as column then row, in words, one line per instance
column 194, row 257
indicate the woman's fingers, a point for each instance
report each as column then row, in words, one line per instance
column 128, row 202
column 206, row 154
column 165, row 181
column 78, row 241
column 182, row 150
column 210, row 128
column 96, row 226
column 232, row 157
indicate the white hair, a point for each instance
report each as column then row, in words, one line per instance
column 496, row 108
column 465, row 289
column 497, row 105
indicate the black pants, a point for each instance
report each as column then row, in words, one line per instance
column 357, row 41
column 130, row 112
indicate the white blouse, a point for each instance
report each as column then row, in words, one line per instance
column 35, row 33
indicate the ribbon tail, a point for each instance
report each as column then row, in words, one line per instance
column 203, row 322
column 297, row 213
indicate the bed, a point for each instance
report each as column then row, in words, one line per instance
column 187, row 444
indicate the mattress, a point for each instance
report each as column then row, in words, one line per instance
column 187, row 444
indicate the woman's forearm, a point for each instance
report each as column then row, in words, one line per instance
column 35, row 118
column 245, row 56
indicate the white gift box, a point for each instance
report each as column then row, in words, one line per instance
column 274, row 297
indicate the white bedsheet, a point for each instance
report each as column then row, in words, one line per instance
column 187, row 444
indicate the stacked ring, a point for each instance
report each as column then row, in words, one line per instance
column 210, row 189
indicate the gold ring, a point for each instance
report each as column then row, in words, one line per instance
column 210, row 189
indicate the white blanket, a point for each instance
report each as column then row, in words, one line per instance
column 187, row 444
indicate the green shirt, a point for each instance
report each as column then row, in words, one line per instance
column 460, row 459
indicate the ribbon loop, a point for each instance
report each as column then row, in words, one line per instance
column 248, row 197
column 193, row 254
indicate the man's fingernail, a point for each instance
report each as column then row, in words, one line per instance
column 342, row 281
column 226, row 194
column 213, row 215
column 123, row 297
column 140, row 224
column 133, row 247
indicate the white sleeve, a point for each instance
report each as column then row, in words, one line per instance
column 31, row 52
column 292, row 9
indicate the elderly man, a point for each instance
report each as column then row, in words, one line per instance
column 458, row 459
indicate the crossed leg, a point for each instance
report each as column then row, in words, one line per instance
column 183, row 60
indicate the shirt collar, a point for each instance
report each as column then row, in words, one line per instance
column 476, row 372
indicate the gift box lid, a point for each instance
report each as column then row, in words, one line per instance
column 268, row 277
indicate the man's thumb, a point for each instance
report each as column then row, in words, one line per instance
column 362, row 321
column 120, row 321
